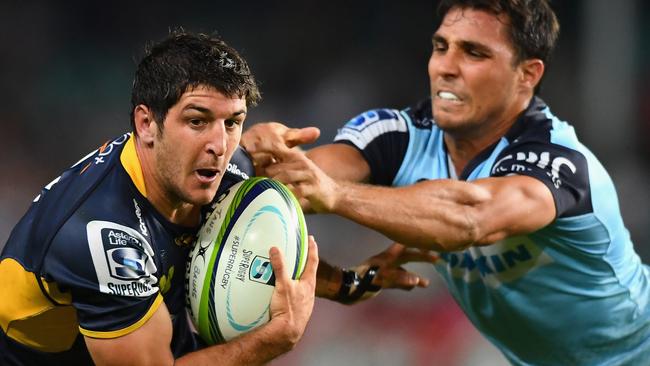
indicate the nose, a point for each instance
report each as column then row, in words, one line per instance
column 217, row 140
column 444, row 64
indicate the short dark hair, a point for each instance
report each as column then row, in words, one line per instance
column 184, row 61
column 533, row 26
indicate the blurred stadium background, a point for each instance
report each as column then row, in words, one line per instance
column 66, row 73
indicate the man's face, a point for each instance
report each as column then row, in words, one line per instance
column 200, row 135
column 473, row 80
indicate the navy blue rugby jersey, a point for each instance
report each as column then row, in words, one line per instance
column 572, row 293
column 93, row 257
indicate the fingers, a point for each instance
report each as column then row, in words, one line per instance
column 301, row 136
column 274, row 137
column 292, row 172
column 416, row 255
column 402, row 279
column 277, row 262
column 312, row 262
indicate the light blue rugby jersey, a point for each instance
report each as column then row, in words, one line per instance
column 572, row 293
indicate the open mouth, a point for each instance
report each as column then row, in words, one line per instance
column 207, row 175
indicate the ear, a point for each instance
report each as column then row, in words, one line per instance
column 532, row 71
column 145, row 126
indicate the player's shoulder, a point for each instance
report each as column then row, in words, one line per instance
column 420, row 115
column 111, row 241
column 372, row 124
column 539, row 125
column 60, row 200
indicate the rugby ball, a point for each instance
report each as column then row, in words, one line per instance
column 229, row 276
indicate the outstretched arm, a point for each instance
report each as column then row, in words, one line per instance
column 291, row 307
column 443, row 215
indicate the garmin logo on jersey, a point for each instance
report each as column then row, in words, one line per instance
column 523, row 161
column 234, row 169
column 123, row 259
column 495, row 264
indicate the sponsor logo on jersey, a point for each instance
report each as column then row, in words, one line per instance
column 364, row 128
column 234, row 169
column 107, row 149
column 495, row 264
column 522, row 162
column 123, row 259
column 138, row 214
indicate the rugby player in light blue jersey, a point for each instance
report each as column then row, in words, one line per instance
column 525, row 217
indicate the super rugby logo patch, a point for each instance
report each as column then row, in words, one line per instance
column 123, row 259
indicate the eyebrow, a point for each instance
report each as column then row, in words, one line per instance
column 208, row 111
column 465, row 45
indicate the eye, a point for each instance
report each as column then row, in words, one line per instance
column 476, row 53
column 439, row 47
column 196, row 122
column 232, row 123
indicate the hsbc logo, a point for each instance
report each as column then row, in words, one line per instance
column 521, row 162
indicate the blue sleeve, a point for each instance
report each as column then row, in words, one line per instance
column 382, row 137
column 564, row 171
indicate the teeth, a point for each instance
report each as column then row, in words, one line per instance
column 448, row 96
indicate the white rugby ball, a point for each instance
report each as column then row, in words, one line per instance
column 229, row 276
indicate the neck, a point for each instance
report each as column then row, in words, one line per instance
column 465, row 145
column 166, row 203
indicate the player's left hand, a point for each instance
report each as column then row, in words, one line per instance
column 315, row 190
column 391, row 274
column 264, row 141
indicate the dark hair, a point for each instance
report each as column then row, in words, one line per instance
column 533, row 26
column 184, row 61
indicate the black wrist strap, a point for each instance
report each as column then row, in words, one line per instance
column 353, row 288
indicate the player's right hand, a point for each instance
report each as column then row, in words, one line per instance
column 391, row 274
column 293, row 300
column 265, row 141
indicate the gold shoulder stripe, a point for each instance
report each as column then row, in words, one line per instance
column 127, row 330
column 131, row 164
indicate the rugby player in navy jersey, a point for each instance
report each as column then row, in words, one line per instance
column 525, row 218
column 94, row 271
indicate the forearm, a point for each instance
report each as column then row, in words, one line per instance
column 435, row 214
column 255, row 348
column 328, row 280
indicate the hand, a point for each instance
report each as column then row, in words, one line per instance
column 315, row 190
column 293, row 301
column 390, row 273
column 264, row 140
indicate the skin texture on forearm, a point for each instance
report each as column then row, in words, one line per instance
column 255, row 348
column 433, row 215
column 449, row 215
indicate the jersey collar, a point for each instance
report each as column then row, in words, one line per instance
column 131, row 164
